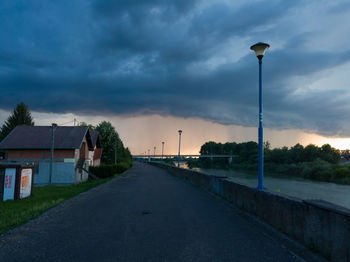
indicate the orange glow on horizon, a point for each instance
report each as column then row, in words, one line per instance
column 143, row 132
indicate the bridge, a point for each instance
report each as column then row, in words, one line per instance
column 183, row 156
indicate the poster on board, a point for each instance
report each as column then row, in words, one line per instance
column 9, row 184
column 26, row 183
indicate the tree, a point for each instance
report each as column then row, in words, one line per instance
column 296, row 153
column 311, row 153
column 109, row 140
column 91, row 127
column 20, row 116
column 330, row 154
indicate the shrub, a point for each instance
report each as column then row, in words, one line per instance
column 122, row 167
column 104, row 171
column 341, row 172
column 317, row 170
column 169, row 161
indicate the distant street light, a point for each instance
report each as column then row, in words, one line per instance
column 149, row 157
column 154, row 152
column 259, row 49
column 178, row 157
column 162, row 150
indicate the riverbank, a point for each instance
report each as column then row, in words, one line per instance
column 296, row 187
column 317, row 170
column 311, row 162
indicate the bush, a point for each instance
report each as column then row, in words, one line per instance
column 317, row 170
column 104, row 171
column 341, row 172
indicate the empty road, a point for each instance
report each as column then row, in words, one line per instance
column 147, row 215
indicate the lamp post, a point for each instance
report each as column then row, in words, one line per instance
column 162, row 150
column 149, row 158
column 53, row 128
column 178, row 157
column 259, row 49
column 154, row 152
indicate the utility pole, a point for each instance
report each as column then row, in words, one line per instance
column 178, row 157
column 53, row 128
column 162, row 150
column 115, row 151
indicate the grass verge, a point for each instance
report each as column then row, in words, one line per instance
column 14, row 213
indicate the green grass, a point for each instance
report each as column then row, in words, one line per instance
column 16, row 212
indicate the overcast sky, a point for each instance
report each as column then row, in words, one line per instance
column 184, row 59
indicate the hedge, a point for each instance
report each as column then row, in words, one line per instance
column 104, row 171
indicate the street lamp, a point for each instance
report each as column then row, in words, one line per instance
column 178, row 157
column 149, row 158
column 154, row 152
column 259, row 49
column 162, row 150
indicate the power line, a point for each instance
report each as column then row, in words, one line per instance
column 66, row 123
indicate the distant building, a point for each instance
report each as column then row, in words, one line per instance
column 96, row 154
column 72, row 147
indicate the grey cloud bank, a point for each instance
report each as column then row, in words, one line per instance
column 181, row 58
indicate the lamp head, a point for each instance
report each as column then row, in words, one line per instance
column 180, row 131
column 260, row 49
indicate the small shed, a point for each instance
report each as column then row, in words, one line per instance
column 72, row 145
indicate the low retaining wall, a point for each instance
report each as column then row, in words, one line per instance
column 319, row 225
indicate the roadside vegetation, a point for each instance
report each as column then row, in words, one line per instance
column 19, row 116
column 14, row 213
column 310, row 162
column 104, row 171
column 166, row 161
column 112, row 143
column 116, row 158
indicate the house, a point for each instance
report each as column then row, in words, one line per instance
column 72, row 146
column 96, row 154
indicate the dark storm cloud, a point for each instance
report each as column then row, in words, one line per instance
column 167, row 57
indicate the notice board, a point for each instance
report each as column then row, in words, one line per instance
column 26, row 183
column 9, row 183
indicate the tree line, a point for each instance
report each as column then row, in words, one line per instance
column 311, row 162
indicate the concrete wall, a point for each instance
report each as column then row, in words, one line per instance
column 319, row 225
column 63, row 173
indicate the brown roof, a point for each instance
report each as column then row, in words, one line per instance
column 39, row 137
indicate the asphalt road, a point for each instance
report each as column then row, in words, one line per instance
column 147, row 215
